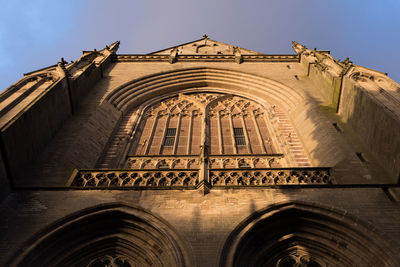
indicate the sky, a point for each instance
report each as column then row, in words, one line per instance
column 37, row 33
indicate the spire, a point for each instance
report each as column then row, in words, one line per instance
column 298, row 48
column 113, row 47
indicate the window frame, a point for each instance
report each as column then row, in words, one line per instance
column 240, row 138
column 169, row 137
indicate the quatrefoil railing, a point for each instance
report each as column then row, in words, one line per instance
column 190, row 178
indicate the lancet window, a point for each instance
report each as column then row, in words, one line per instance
column 172, row 131
column 181, row 124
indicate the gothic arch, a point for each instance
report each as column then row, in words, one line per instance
column 299, row 234
column 267, row 123
column 104, row 234
column 138, row 91
column 241, row 112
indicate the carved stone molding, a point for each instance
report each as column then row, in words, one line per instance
column 111, row 261
column 218, row 58
column 157, row 162
column 245, row 161
column 136, row 178
column 298, row 260
column 190, row 178
column 269, row 177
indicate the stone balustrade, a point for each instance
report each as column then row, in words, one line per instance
column 135, row 178
column 261, row 177
column 190, row 178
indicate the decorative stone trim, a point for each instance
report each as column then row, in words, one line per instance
column 135, row 178
column 208, row 58
column 254, row 177
column 189, row 179
column 193, row 161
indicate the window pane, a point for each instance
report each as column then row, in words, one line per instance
column 169, row 137
column 170, row 132
column 238, row 131
column 239, row 136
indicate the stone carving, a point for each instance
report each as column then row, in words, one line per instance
column 323, row 60
column 179, row 162
column 136, row 178
column 373, row 78
column 204, row 98
column 382, row 87
column 269, row 177
column 362, row 77
column 241, row 161
column 298, row 260
column 190, row 178
column 211, row 57
column 173, row 55
column 327, row 63
column 111, row 261
column 175, row 106
column 234, row 106
column 238, row 55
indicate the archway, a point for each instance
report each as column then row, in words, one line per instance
column 136, row 92
column 297, row 234
column 104, row 235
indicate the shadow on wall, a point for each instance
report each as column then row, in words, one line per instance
column 298, row 233
column 88, row 130
column 366, row 116
column 332, row 144
column 112, row 232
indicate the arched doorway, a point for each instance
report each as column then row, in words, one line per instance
column 297, row 234
column 110, row 235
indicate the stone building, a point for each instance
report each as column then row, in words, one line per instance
column 202, row 154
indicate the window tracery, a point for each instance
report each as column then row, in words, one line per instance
column 229, row 126
column 221, row 139
column 111, row 261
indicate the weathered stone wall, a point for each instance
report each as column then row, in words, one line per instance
column 374, row 125
column 314, row 127
column 26, row 137
column 82, row 85
column 315, row 131
column 203, row 222
column 79, row 143
column 5, row 186
column 327, row 85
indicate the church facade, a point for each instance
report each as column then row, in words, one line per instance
column 202, row 154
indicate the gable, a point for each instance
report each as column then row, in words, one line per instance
column 205, row 46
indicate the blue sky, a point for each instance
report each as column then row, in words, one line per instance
column 37, row 33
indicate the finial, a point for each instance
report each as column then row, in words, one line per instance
column 347, row 61
column 297, row 47
column 63, row 61
column 205, row 36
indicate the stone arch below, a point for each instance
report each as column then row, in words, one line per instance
column 299, row 234
column 102, row 235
